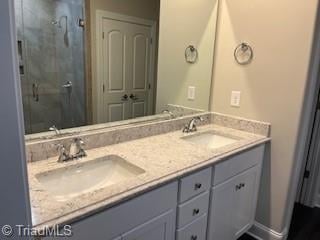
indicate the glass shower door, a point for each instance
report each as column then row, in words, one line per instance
column 52, row 63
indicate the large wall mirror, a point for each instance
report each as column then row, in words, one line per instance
column 107, row 62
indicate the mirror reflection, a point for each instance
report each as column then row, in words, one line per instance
column 85, row 62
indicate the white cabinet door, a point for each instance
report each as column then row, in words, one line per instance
column 126, row 68
column 246, row 199
column 159, row 228
column 221, row 215
column 233, row 205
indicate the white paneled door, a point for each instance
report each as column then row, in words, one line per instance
column 126, row 69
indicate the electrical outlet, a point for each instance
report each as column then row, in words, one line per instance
column 191, row 93
column 235, row 98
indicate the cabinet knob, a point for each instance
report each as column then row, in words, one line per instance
column 196, row 211
column 197, row 186
column 194, row 237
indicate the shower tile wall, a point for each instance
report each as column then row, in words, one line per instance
column 53, row 54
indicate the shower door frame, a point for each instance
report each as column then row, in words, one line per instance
column 88, row 64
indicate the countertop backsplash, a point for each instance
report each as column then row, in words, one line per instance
column 43, row 149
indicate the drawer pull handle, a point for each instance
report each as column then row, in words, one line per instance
column 194, row 237
column 197, row 186
column 196, row 211
column 239, row 186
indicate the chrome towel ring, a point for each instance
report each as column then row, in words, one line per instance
column 191, row 54
column 243, row 54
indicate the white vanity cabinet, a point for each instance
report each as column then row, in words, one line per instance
column 159, row 228
column 234, row 195
column 214, row 203
column 148, row 216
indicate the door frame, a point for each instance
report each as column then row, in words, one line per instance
column 309, row 194
column 306, row 120
column 102, row 14
column 15, row 206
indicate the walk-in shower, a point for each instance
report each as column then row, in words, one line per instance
column 51, row 61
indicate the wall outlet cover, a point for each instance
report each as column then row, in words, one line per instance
column 235, row 98
column 191, row 93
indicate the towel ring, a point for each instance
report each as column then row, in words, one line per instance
column 191, row 54
column 243, row 54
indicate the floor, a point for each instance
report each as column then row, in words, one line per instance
column 246, row 237
column 305, row 224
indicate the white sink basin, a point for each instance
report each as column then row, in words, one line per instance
column 69, row 182
column 210, row 140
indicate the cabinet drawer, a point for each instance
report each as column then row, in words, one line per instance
column 195, row 184
column 237, row 164
column 192, row 209
column 194, row 231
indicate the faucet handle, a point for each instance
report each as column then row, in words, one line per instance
column 63, row 155
column 201, row 119
column 185, row 129
column 60, row 147
column 79, row 141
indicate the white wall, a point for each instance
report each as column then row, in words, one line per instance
column 183, row 23
column 272, row 86
column 14, row 201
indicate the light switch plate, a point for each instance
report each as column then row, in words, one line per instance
column 191, row 92
column 235, row 98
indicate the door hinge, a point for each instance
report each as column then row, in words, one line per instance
column 151, row 40
column 102, row 35
column 149, row 86
column 103, row 88
column 306, row 174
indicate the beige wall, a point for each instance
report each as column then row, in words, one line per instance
column 183, row 23
column 147, row 9
column 272, row 86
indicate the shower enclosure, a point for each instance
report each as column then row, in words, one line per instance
column 51, row 61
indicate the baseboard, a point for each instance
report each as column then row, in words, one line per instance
column 262, row 232
column 317, row 203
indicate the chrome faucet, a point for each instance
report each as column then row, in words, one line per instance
column 169, row 112
column 191, row 126
column 55, row 129
column 76, row 151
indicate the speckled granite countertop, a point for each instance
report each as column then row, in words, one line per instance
column 164, row 158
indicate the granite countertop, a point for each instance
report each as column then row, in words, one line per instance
column 164, row 158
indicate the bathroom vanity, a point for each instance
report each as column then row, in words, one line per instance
column 163, row 185
column 219, row 201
